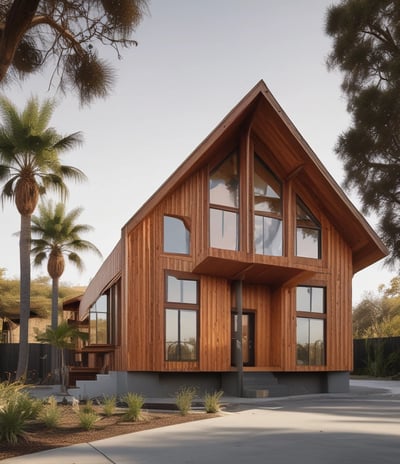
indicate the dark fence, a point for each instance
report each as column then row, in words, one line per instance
column 38, row 365
column 378, row 357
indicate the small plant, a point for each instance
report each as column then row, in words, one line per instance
column 109, row 404
column 134, row 403
column 51, row 414
column 87, row 419
column 88, row 407
column 15, row 414
column 212, row 401
column 184, row 398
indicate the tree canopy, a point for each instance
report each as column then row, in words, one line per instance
column 379, row 315
column 366, row 49
column 68, row 36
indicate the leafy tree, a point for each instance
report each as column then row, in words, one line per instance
column 379, row 315
column 30, row 165
column 62, row 338
column 366, row 48
column 66, row 34
column 55, row 235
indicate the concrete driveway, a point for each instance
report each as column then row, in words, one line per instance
column 362, row 426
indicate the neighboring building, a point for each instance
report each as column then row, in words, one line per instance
column 236, row 274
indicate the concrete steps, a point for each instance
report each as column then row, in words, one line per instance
column 262, row 385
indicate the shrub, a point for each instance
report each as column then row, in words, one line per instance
column 15, row 412
column 212, row 401
column 88, row 407
column 134, row 403
column 184, row 398
column 51, row 414
column 87, row 419
column 109, row 404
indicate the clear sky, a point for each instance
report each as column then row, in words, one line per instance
column 195, row 61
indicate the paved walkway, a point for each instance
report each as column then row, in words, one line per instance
column 361, row 426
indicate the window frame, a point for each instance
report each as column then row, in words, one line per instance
column 180, row 306
column 317, row 227
column 223, row 207
column 311, row 315
column 259, row 213
column 188, row 235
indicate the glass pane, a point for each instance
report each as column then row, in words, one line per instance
column 176, row 236
column 317, row 344
column 101, row 304
column 102, row 328
column 310, row 342
column 92, row 328
column 224, row 226
column 302, row 341
column 188, row 340
column 181, row 291
column 304, row 216
column 303, row 299
column 307, row 243
column 268, row 236
column 224, row 183
column 180, row 335
column 267, row 189
column 171, row 334
column 318, row 300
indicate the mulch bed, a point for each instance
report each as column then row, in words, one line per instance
column 69, row 432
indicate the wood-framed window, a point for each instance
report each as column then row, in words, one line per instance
column 103, row 317
column 181, row 317
column 224, row 192
column 311, row 325
column 267, row 196
column 176, row 235
column 308, row 232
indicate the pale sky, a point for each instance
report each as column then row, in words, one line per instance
column 195, row 61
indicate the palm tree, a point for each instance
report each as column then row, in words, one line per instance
column 62, row 338
column 56, row 235
column 30, row 166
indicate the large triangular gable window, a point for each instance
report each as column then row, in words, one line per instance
column 308, row 232
column 224, row 204
column 268, row 211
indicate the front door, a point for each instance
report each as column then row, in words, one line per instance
column 247, row 338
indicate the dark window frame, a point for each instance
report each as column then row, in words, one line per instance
column 312, row 316
column 222, row 207
column 180, row 307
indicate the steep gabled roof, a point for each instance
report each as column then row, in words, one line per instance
column 260, row 111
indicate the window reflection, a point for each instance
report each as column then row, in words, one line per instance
column 176, row 236
column 308, row 233
column 268, row 236
column 224, row 226
column 224, row 204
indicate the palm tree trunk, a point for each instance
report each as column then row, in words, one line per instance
column 55, row 364
column 25, row 293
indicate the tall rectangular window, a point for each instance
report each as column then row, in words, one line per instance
column 103, row 317
column 224, row 204
column 308, row 233
column 311, row 321
column 268, row 211
column 181, row 319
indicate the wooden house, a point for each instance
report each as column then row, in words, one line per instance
column 236, row 274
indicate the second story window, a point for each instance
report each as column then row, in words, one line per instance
column 224, row 204
column 176, row 236
column 267, row 211
column 308, row 233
